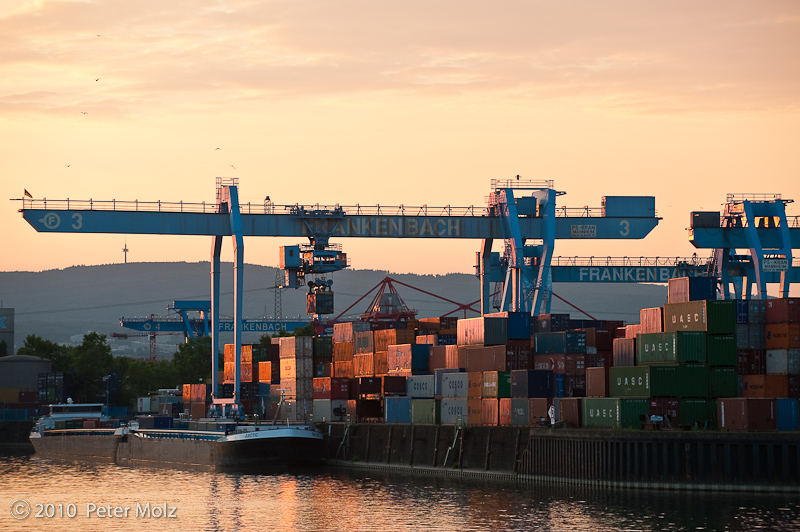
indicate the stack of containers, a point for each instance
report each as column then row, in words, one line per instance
column 481, row 344
column 364, row 354
column 297, row 376
column 248, row 377
column 323, row 356
column 330, row 398
column 196, row 398
column 344, row 347
column 782, row 342
column 530, row 393
column 563, row 353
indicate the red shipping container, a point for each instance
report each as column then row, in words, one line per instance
column 784, row 310
column 666, row 407
column 322, row 388
column 794, row 386
column 489, row 358
column 343, row 369
column 750, row 414
column 504, row 417
column 570, row 411
column 455, row 357
column 596, row 382
column 752, row 362
column 393, row 385
column 652, row 320
column 343, row 352
column 381, row 360
column 438, row 358
column 601, row 339
column 554, row 363
column 537, row 410
column 624, row 352
column 490, row 412
column 518, row 355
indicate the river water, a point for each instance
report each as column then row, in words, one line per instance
column 70, row 495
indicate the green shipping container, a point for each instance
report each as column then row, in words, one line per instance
column 670, row 347
column 634, row 412
column 722, row 382
column 643, row 381
column 721, row 349
column 426, row 411
column 701, row 413
column 323, row 347
column 601, row 412
column 496, row 384
column 693, row 380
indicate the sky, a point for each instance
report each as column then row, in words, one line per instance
column 377, row 102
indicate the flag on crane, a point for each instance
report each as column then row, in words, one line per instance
column 28, row 194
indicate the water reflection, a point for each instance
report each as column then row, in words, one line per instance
column 336, row 500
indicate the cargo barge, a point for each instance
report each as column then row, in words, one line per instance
column 212, row 444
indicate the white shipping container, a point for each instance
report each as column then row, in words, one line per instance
column 143, row 404
column 297, row 368
column 778, row 361
column 297, row 388
column 420, row 386
column 452, row 410
column 455, row 385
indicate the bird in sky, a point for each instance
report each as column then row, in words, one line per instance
column 84, row 113
column 232, row 166
column 217, row 149
column 67, row 165
column 97, row 79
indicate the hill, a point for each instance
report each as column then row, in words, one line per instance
column 62, row 305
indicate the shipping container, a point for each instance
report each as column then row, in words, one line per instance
column 756, row 311
column 393, row 385
column 721, row 350
column 698, row 412
column 518, row 354
column 381, row 361
column 364, row 365
column 334, row 388
column 297, row 368
column 366, row 386
column 765, row 386
column 643, row 381
column 670, row 348
column 788, row 417
column 474, row 407
column 397, row 409
column 504, row 414
column 722, row 382
column 667, row 408
column 488, row 358
column 483, row 331
column 624, row 351
column 784, row 310
column 454, row 411
column 364, row 342
column 475, row 384
column 408, row 359
column 747, row 414
column 343, row 352
column 455, row 385
column 692, row 380
column 296, row 347
column 601, row 412
column 519, row 324
column 343, row 332
column 601, row 339
column 496, row 384
column 752, row 361
column 559, row 342
column 426, row 411
column 711, row 316
column 520, row 412
column 455, row 357
column 570, row 411
column 778, row 361
column 651, row 320
column 386, row 337
column 597, row 382
column 343, row 369
column 490, row 412
column 782, row 336
column 552, row 323
column 685, row 289
column 365, row 410
column 537, row 410
column 530, row 383
column 438, row 377
column 628, row 206
column 421, row 386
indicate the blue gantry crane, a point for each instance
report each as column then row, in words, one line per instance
column 752, row 242
column 518, row 211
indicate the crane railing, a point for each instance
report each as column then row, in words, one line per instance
column 627, row 261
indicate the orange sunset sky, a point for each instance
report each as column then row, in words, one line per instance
column 377, row 102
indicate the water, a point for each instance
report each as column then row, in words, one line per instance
column 352, row 501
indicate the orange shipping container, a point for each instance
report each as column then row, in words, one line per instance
column 475, row 389
column 381, row 359
column 782, row 335
column 490, row 412
column 343, row 369
column 265, row 372
column 343, row 352
column 596, row 382
column 490, row 358
column 364, row 365
column 537, row 410
column 474, row 407
column 386, row 337
column 456, row 357
column 765, row 386
column 504, row 416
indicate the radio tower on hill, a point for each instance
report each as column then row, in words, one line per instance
column 125, row 251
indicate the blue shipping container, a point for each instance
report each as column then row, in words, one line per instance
column 519, row 324
column 397, row 409
column 788, row 414
column 742, row 311
column 531, row 383
column 420, row 357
